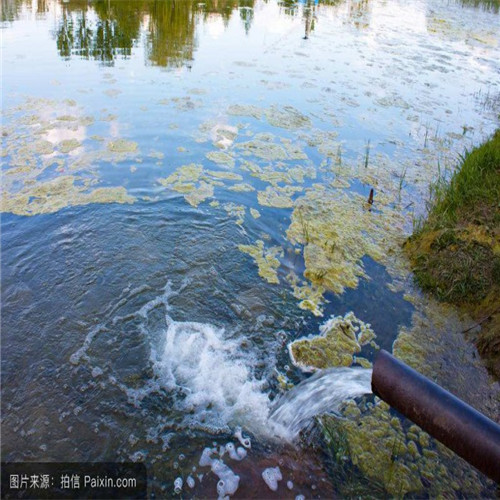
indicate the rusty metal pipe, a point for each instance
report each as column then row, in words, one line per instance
column 457, row 425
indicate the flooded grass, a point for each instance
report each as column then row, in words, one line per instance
column 455, row 250
column 458, row 238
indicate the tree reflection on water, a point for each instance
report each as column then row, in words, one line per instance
column 105, row 30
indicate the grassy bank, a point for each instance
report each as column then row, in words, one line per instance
column 455, row 251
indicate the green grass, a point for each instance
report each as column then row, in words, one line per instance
column 473, row 193
column 455, row 250
column 449, row 259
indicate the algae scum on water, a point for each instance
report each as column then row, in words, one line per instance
column 57, row 169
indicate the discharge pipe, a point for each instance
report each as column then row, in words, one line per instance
column 457, row 425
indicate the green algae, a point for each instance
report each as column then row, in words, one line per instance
column 236, row 211
column 340, row 183
column 283, row 381
column 185, row 187
column 400, row 455
column 286, row 117
column 254, row 213
column 325, row 142
column 197, row 184
column 279, row 172
column 221, row 134
column 384, row 449
column 43, row 147
column 263, row 149
column 186, row 103
column 221, row 174
column 221, row 158
column 339, row 339
column 156, row 154
column 33, row 182
column 187, row 180
column 184, row 174
column 310, row 296
column 245, row 110
column 242, row 187
column 278, row 197
column 336, row 231
column 108, row 118
column 67, row 118
column 365, row 363
column 68, row 145
column 122, row 146
column 299, row 174
column 250, row 166
column 393, row 100
column 201, row 193
column 376, row 445
column 58, row 193
column 266, row 259
column 112, row 92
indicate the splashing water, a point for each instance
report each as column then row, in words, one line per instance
column 215, row 377
column 220, row 387
column 208, row 368
column 213, row 381
column 322, row 393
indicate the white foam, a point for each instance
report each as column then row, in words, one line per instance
column 178, row 485
column 190, row 481
column 235, row 454
column 238, row 434
column 272, row 476
column 228, row 481
column 206, row 457
column 81, row 353
column 214, row 376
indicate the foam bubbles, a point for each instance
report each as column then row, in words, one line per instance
column 244, row 441
column 234, row 453
column 213, row 375
column 228, row 481
column 272, row 476
column 203, row 368
column 178, row 485
column 212, row 381
column 206, row 456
